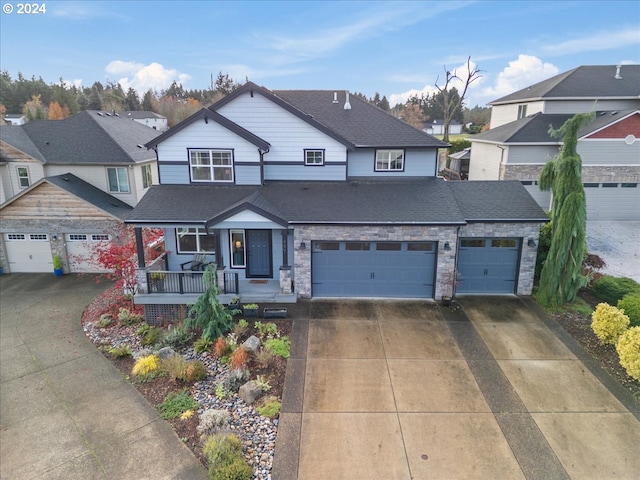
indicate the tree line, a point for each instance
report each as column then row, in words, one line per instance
column 36, row 99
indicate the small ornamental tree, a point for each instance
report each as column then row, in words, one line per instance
column 119, row 256
column 207, row 312
column 561, row 275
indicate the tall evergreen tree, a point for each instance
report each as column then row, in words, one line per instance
column 561, row 275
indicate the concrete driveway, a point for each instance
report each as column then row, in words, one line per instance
column 65, row 411
column 409, row 390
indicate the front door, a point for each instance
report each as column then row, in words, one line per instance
column 259, row 261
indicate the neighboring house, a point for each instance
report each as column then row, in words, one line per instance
column 15, row 119
column 106, row 151
column 318, row 194
column 61, row 215
column 436, row 127
column 149, row 119
column 518, row 144
column 100, row 150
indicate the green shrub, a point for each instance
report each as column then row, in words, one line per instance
column 207, row 313
column 630, row 303
column 145, row 365
column 212, row 420
column 104, row 321
column 175, row 366
column 266, row 330
column 628, row 349
column 177, row 337
column 544, row 243
column 611, row 289
column 224, row 455
column 201, row 345
column 121, row 351
column 278, row 346
column 127, row 318
column 608, row 323
column 269, row 407
column 195, row 371
column 240, row 328
column 150, row 335
column 235, row 379
column 176, row 403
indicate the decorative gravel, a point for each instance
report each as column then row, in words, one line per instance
column 258, row 433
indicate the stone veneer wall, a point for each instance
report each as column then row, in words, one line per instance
column 375, row 233
column 527, row 254
column 59, row 228
column 590, row 174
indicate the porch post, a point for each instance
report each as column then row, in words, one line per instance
column 219, row 256
column 140, row 247
column 285, row 254
column 285, row 269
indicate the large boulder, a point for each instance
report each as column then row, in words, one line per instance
column 252, row 344
column 250, row 392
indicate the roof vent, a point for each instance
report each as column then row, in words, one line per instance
column 335, row 97
column 140, row 146
column 347, row 105
column 99, row 113
column 618, row 76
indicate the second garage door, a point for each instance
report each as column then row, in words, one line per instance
column 80, row 249
column 488, row 265
column 373, row 269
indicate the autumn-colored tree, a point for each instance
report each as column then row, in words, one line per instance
column 3, row 112
column 55, row 111
column 119, row 256
column 412, row 114
column 34, row 110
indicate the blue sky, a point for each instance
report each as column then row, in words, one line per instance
column 395, row 48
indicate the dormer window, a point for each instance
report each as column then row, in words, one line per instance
column 389, row 160
column 23, row 177
column 522, row 111
column 211, row 165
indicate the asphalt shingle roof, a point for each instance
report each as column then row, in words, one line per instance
column 402, row 201
column 587, row 81
column 84, row 138
column 532, row 129
column 91, row 194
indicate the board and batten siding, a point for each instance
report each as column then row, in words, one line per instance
column 289, row 136
column 206, row 135
column 485, row 161
column 418, row 162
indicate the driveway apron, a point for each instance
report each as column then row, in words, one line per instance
column 490, row 388
column 65, row 411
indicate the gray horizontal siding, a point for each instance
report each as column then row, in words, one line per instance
column 247, row 175
column 417, row 163
column 174, row 174
column 302, row 172
column 609, row 152
column 531, row 154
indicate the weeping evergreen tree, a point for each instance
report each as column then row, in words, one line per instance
column 561, row 275
column 207, row 312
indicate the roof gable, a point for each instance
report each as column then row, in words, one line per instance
column 613, row 125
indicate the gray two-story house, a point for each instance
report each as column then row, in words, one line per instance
column 321, row 194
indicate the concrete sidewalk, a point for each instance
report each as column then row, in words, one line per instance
column 409, row 390
column 65, row 411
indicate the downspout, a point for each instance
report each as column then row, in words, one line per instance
column 155, row 149
column 502, row 149
column 262, row 153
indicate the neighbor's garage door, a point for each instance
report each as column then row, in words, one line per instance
column 373, row 269
column 81, row 252
column 488, row 265
column 28, row 252
column 612, row 201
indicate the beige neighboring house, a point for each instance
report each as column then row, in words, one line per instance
column 518, row 144
column 60, row 181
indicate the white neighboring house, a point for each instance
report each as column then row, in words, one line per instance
column 437, row 127
column 149, row 119
column 15, row 119
column 518, row 144
column 66, row 183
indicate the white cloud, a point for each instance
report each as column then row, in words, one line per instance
column 598, row 41
column 461, row 71
column 142, row 77
column 520, row 73
column 76, row 82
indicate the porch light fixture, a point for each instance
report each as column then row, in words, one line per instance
column 447, row 247
column 303, row 246
column 531, row 243
column 238, row 244
column 54, row 237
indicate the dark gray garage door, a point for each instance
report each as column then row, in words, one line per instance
column 488, row 265
column 373, row 269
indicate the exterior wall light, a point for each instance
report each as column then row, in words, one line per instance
column 447, row 247
column 531, row 243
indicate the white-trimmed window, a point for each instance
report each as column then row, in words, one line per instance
column 389, row 160
column 211, row 165
column 313, row 157
column 118, row 179
column 195, row 240
column 23, row 177
column 522, row 111
column 238, row 256
column 147, row 177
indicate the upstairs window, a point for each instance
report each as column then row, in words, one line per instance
column 211, row 165
column 118, row 179
column 147, row 177
column 314, row 157
column 23, row 177
column 389, row 160
column 522, row 111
